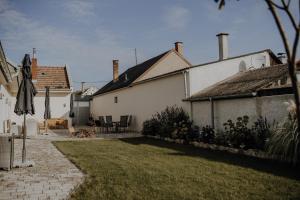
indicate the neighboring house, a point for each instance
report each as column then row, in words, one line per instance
column 169, row 79
column 5, row 95
column 56, row 77
column 144, row 89
column 88, row 91
column 255, row 92
column 81, row 105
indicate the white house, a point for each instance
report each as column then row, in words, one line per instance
column 144, row 89
column 169, row 79
column 56, row 77
column 6, row 76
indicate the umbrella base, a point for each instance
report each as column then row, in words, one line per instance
column 20, row 164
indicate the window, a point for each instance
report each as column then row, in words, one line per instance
column 116, row 99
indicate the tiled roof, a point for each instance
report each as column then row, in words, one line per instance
column 131, row 74
column 247, row 82
column 54, row 77
column 4, row 69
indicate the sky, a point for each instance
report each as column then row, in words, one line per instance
column 87, row 35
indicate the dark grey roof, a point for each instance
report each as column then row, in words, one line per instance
column 247, row 82
column 132, row 74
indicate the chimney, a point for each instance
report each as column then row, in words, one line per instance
column 115, row 70
column 34, row 67
column 179, row 47
column 223, row 45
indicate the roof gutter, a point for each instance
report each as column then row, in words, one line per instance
column 253, row 94
column 55, row 91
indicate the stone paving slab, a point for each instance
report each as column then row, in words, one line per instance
column 52, row 177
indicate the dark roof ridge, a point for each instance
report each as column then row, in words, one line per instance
column 132, row 74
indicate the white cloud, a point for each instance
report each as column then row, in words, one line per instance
column 176, row 17
column 79, row 8
column 89, row 59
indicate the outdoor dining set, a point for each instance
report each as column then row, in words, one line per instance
column 107, row 125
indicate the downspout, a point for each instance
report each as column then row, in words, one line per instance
column 212, row 113
column 185, row 84
column 192, row 113
column 186, row 93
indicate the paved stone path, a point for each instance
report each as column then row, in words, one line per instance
column 52, row 177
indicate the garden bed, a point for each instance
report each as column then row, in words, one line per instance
column 249, row 152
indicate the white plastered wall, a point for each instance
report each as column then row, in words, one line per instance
column 59, row 106
column 5, row 106
column 142, row 100
column 204, row 76
column 271, row 107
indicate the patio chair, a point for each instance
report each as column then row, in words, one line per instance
column 109, row 123
column 91, row 122
column 129, row 122
column 97, row 124
column 123, row 122
column 101, row 123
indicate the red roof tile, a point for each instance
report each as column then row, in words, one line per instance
column 54, row 77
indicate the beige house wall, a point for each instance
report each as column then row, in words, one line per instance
column 170, row 63
column 141, row 100
column 271, row 107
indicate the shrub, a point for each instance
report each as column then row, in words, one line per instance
column 285, row 140
column 262, row 130
column 238, row 134
column 181, row 130
column 172, row 122
column 151, row 127
column 221, row 138
column 193, row 134
column 207, row 134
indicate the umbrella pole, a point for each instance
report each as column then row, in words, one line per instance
column 24, row 139
column 46, row 126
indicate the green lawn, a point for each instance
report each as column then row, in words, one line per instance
column 141, row 168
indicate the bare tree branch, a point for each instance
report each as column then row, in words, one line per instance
column 288, row 12
column 291, row 57
column 295, row 46
column 276, row 5
column 279, row 26
column 288, row 4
